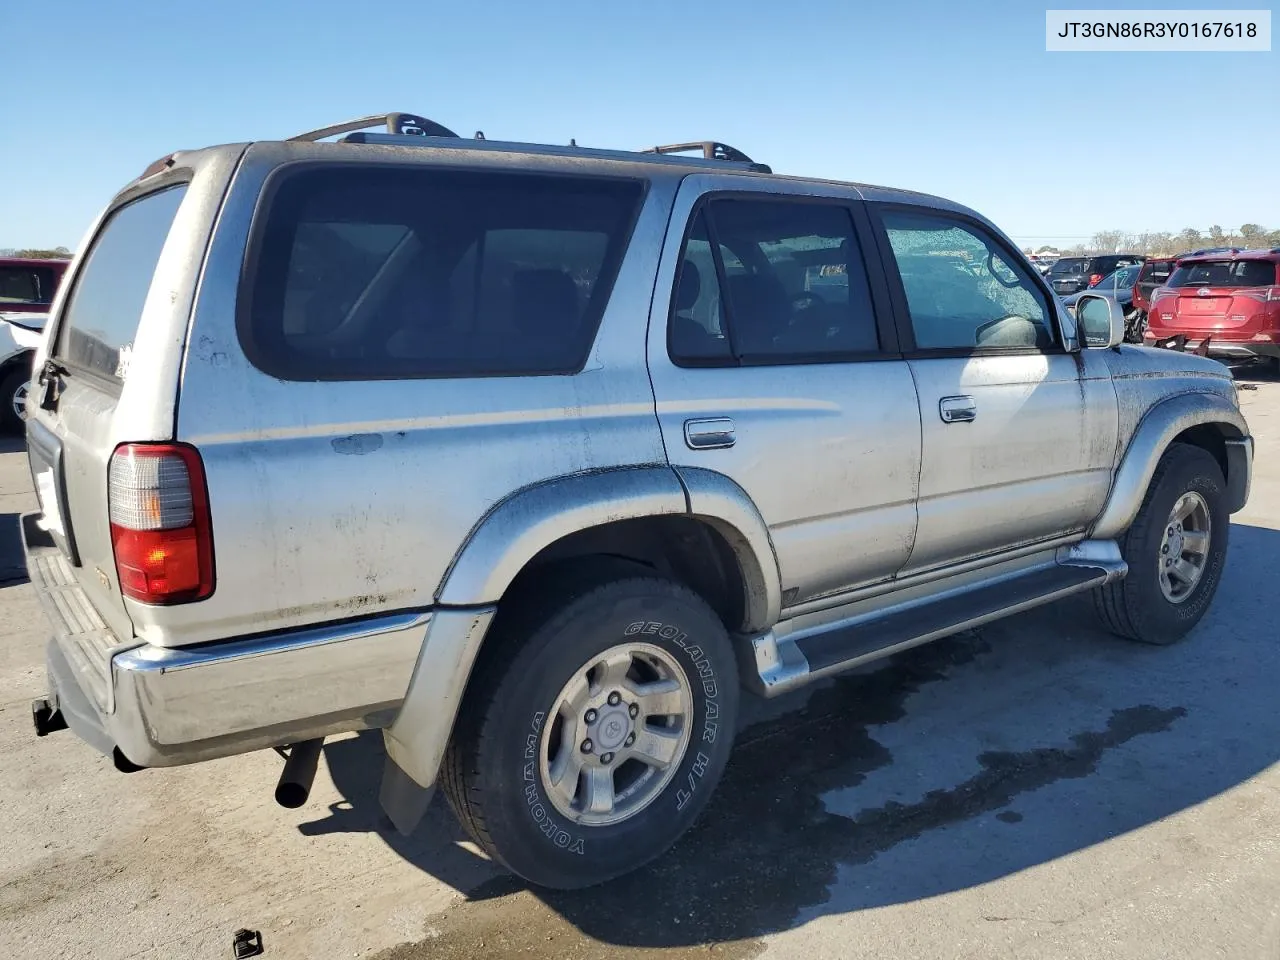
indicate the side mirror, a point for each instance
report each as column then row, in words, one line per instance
column 1101, row 321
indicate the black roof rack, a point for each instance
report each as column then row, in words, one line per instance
column 401, row 124
column 413, row 125
column 710, row 150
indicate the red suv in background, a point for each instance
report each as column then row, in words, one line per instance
column 1229, row 303
column 27, row 286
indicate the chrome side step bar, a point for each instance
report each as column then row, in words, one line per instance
column 792, row 655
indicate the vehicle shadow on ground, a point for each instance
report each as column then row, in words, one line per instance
column 1250, row 373
column 13, row 564
column 997, row 750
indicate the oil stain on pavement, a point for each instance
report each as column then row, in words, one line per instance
column 767, row 848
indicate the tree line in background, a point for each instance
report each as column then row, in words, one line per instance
column 1249, row 236
column 57, row 253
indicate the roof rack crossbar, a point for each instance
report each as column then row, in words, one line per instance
column 710, row 149
column 404, row 124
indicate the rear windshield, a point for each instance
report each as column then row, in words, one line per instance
column 373, row 273
column 1225, row 273
column 1070, row 266
column 26, row 284
column 101, row 319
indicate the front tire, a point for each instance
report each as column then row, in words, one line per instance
column 1176, row 550
column 595, row 731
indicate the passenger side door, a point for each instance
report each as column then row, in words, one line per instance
column 774, row 363
column 1018, row 433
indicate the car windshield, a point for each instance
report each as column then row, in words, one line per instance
column 1071, row 266
column 1224, row 273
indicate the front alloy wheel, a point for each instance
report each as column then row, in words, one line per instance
column 1175, row 549
column 1184, row 548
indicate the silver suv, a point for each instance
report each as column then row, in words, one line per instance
column 533, row 456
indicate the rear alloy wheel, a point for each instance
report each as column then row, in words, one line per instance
column 595, row 729
column 14, row 387
column 1176, row 550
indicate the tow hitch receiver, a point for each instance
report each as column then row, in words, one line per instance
column 46, row 717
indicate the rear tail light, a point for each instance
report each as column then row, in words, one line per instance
column 161, row 530
column 1265, row 294
column 1094, row 278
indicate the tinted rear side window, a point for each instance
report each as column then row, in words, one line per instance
column 101, row 319
column 376, row 273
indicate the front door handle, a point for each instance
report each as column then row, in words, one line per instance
column 709, row 434
column 957, row 409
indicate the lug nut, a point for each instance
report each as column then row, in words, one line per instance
column 606, row 758
column 1164, row 549
column 587, row 746
column 615, row 698
column 631, row 738
column 634, row 710
column 590, row 716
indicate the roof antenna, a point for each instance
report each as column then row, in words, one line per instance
column 479, row 134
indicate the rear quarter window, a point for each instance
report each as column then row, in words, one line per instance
column 377, row 273
column 101, row 318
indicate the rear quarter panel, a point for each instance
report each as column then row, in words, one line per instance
column 340, row 499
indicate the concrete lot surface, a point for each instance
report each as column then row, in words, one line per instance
column 1033, row 789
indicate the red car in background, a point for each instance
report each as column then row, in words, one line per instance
column 1226, row 305
column 27, row 286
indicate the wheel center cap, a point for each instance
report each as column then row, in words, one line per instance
column 612, row 727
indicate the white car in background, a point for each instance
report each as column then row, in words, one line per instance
column 20, row 335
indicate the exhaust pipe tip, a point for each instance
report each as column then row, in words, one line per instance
column 294, row 786
column 46, row 717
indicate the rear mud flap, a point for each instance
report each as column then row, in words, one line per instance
column 416, row 741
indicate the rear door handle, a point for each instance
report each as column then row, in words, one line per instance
column 709, row 434
column 957, row 409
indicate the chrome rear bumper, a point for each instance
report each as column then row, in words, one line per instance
column 169, row 706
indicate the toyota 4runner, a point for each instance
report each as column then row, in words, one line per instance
column 532, row 456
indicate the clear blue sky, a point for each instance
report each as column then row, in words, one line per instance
column 959, row 99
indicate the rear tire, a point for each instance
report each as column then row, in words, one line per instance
column 1134, row 325
column 1173, row 576
column 13, row 384
column 547, row 769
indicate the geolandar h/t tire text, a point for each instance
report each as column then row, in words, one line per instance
column 595, row 731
